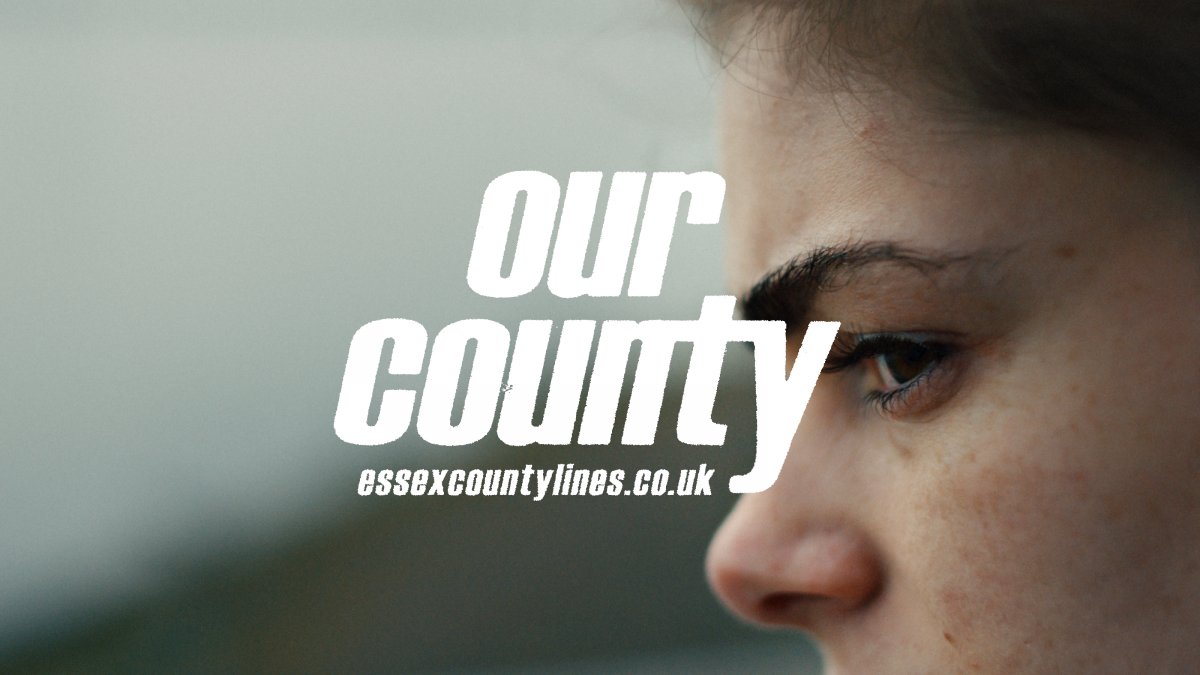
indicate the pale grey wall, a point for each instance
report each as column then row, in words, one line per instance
column 200, row 202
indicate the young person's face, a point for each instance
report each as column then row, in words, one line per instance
column 1008, row 480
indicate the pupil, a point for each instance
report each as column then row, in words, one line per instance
column 906, row 364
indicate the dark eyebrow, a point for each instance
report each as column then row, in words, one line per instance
column 787, row 293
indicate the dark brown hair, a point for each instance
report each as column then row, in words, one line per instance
column 1121, row 68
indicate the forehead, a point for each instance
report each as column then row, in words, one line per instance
column 807, row 169
column 811, row 169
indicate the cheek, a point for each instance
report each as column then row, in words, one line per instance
column 1003, row 560
column 1034, row 521
column 1000, row 521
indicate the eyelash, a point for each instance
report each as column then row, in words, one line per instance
column 854, row 349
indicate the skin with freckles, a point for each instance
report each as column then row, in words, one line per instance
column 1009, row 480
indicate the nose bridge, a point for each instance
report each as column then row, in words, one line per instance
column 794, row 553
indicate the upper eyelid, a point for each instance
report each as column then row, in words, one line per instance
column 851, row 356
column 915, row 336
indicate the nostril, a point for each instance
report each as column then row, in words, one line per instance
column 777, row 604
column 782, row 609
column 798, row 609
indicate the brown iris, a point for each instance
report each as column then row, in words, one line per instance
column 904, row 363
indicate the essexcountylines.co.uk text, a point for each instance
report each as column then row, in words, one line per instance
column 562, row 481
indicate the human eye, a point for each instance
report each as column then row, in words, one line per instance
column 902, row 373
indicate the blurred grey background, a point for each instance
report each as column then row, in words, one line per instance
column 200, row 204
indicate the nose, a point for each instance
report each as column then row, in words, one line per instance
column 772, row 568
